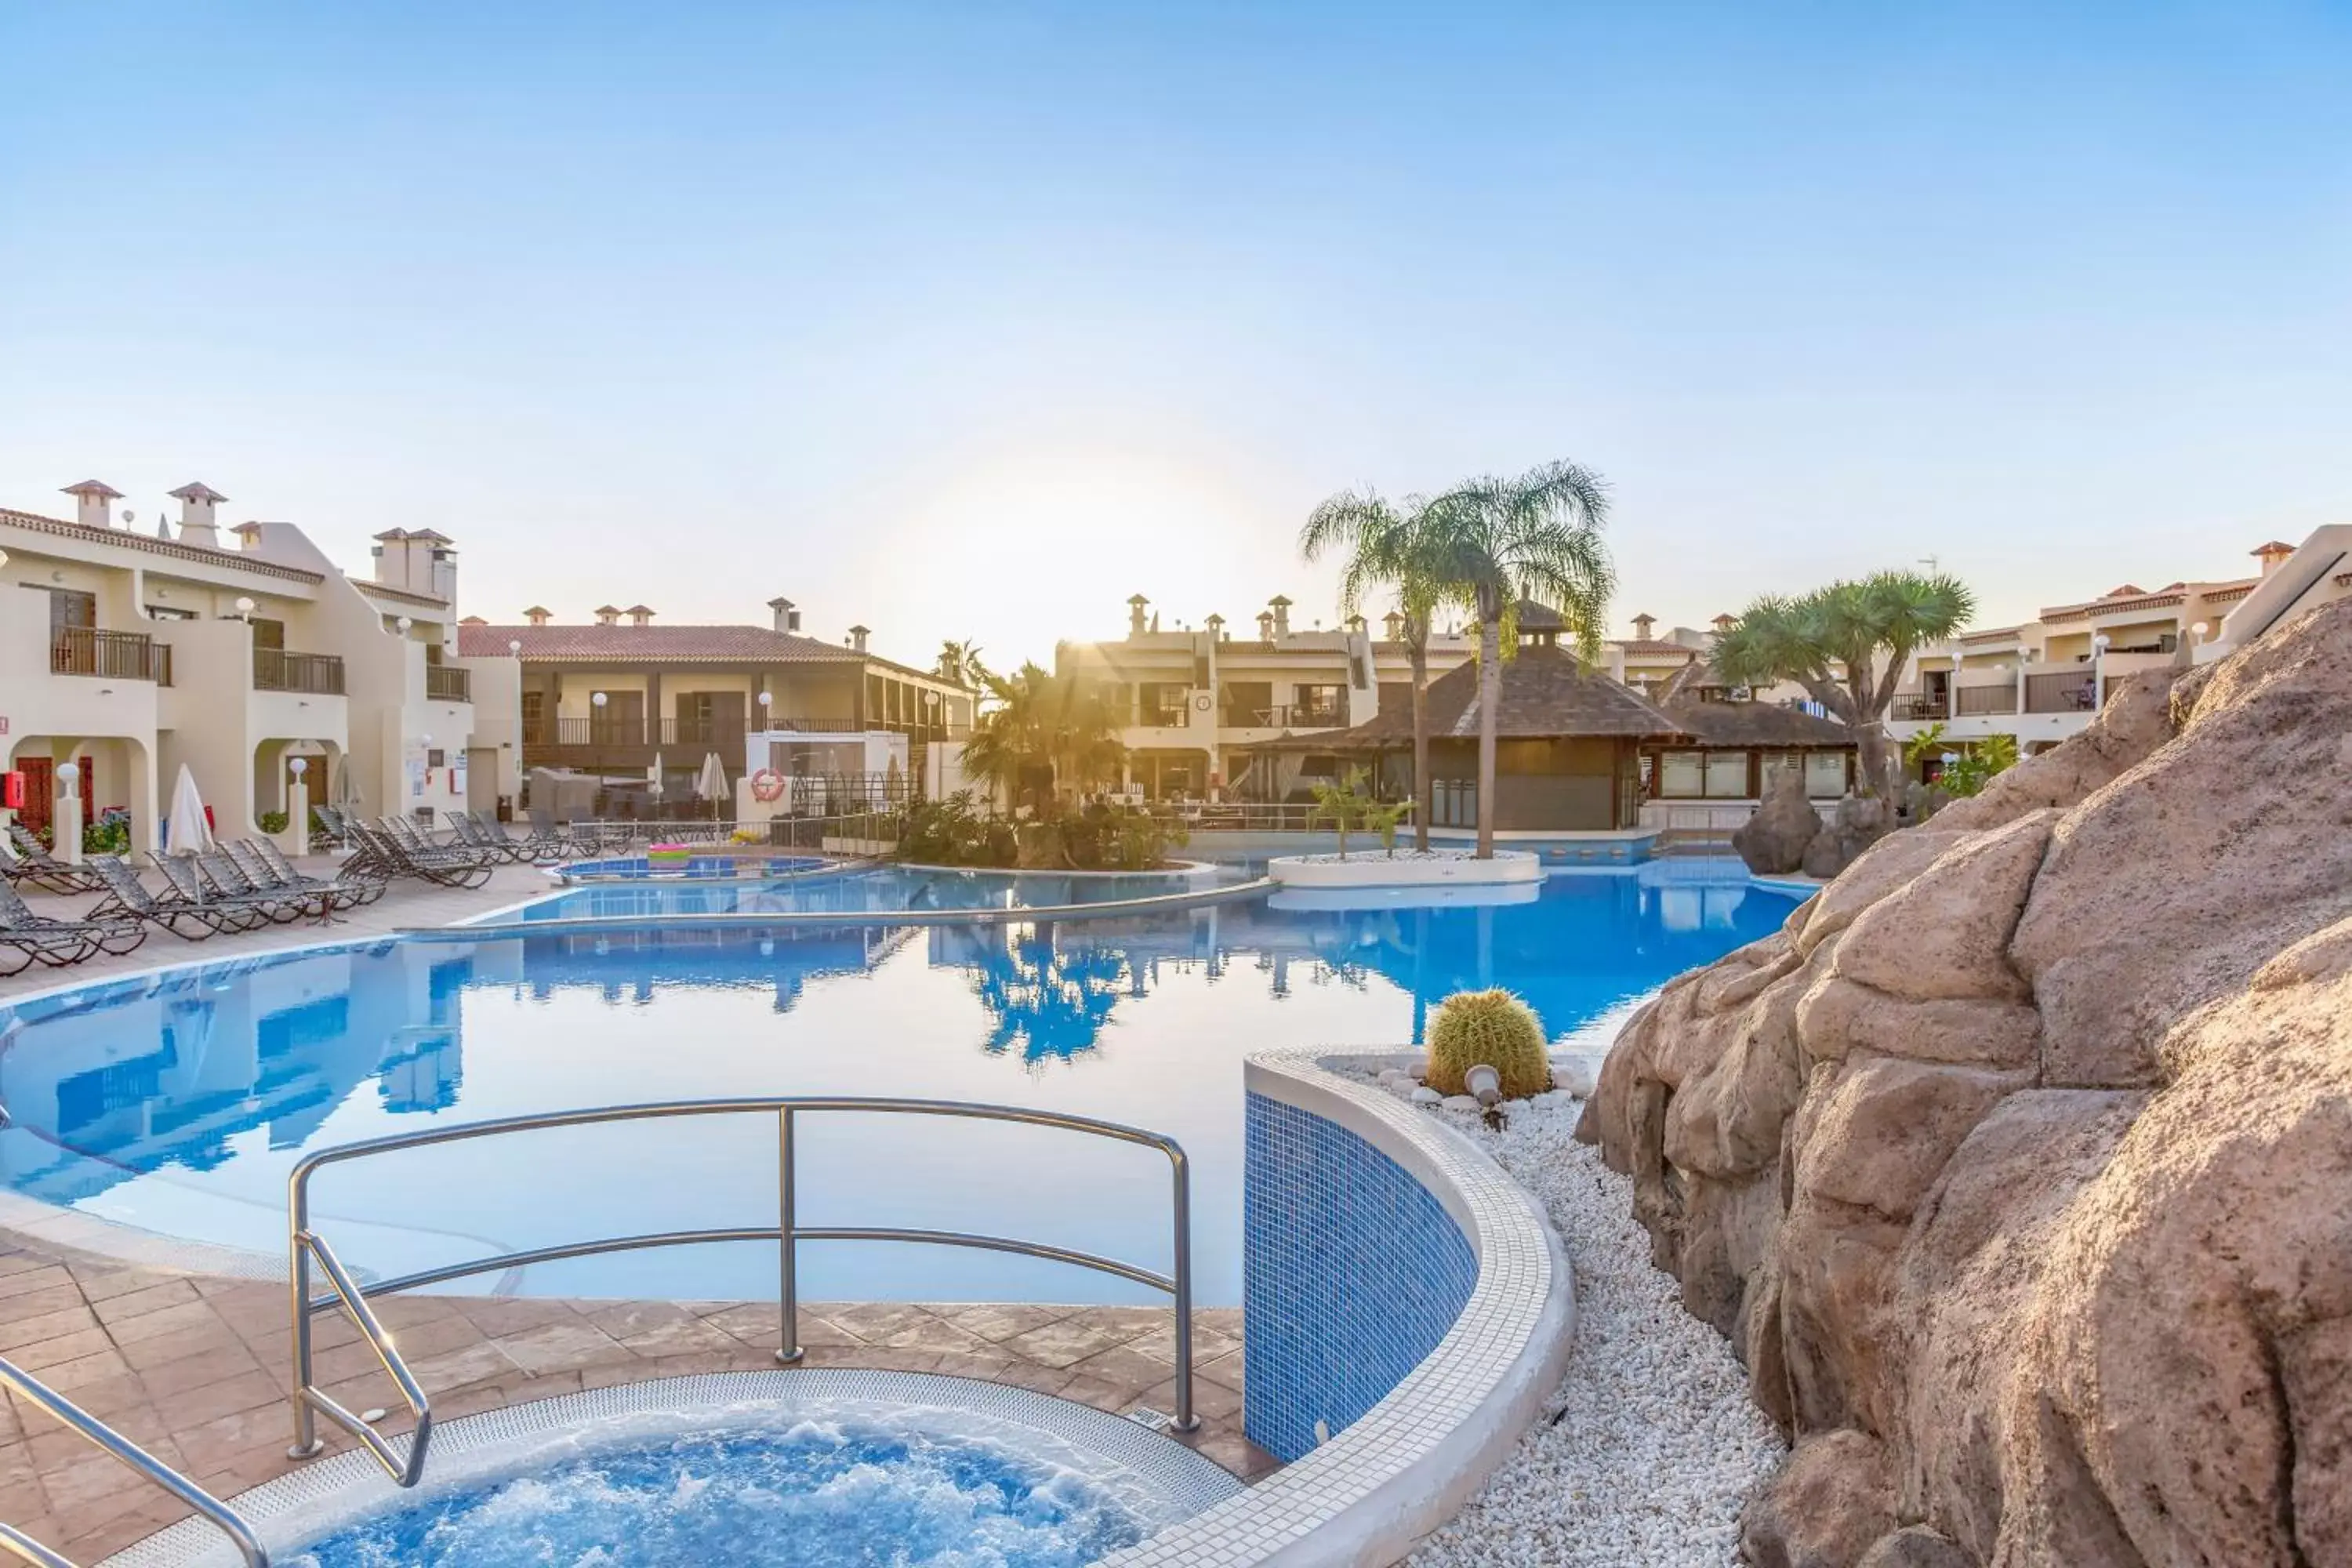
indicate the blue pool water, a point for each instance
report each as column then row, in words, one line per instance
column 179, row 1103
column 700, row 865
column 875, row 889
column 820, row 1496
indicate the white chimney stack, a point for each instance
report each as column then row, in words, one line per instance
column 857, row 635
column 197, row 524
column 1281, row 608
column 94, row 503
column 1135, row 604
column 788, row 619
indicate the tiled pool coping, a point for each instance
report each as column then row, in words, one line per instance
column 477, row 1450
column 1366, row 1496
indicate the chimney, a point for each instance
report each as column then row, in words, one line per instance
column 1394, row 623
column 788, row 619
column 1643, row 626
column 197, row 526
column 473, row 621
column 94, row 503
column 538, row 615
column 608, row 616
column 1135, row 604
column 2273, row 555
column 1281, row 608
column 1723, row 624
column 1217, row 625
column 857, row 635
column 639, row 615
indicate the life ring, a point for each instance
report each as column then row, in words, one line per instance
column 767, row 785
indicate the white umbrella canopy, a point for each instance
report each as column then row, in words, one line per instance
column 710, row 783
column 185, row 831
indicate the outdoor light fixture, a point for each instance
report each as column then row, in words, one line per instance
column 68, row 775
column 245, row 608
column 597, row 698
column 514, row 646
column 300, row 766
column 404, row 624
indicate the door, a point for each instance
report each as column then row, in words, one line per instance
column 40, row 787
column 621, row 720
column 73, row 641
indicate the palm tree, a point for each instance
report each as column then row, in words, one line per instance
column 1489, row 543
column 960, row 663
column 1382, row 542
column 1847, row 645
column 1041, row 735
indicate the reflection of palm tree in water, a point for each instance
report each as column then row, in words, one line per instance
column 1049, row 1002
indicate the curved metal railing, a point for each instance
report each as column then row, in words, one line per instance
column 15, row 1542
column 405, row 1464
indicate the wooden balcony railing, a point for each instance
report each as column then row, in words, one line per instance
column 2067, row 692
column 448, row 683
column 275, row 670
column 1922, row 708
column 1979, row 702
column 111, row 655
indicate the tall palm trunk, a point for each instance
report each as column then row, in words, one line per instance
column 1490, row 693
column 1416, row 648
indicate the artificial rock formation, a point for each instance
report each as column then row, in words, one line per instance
column 2017, row 1164
column 1774, row 838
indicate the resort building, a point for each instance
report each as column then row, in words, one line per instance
column 2043, row 680
column 238, row 652
column 1204, row 707
column 625, row 697
column 1568, row 757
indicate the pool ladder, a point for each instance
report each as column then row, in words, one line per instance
column 404, row 1462
column 15, row 1542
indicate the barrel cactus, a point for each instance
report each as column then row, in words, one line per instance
column 1490, row 1026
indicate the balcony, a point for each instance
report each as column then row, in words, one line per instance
column 1292, row 716
column 109, row 655
column 1984, row 701
column 1921, row 708
column 275, row 670
column 2068, row 691
column 448, row 683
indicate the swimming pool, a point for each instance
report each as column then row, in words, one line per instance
column 179, row 1103
column 875, row 889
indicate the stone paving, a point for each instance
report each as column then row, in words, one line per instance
column 196, row 1370
column 194, row 1367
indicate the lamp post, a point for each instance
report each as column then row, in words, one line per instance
column 64, row 818
column 2099, row 671
column 295, row 839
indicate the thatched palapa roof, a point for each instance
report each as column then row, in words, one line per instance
column 1759, row 724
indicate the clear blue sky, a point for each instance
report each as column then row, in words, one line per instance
column 968, row 319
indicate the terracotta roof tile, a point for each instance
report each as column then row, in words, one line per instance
column 236, row 559
column 667, row 645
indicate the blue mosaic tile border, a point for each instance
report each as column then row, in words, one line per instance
column 1351, row 1273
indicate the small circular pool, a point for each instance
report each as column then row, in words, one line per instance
column 818, row 1470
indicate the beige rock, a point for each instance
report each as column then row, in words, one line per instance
column 2019, row 1166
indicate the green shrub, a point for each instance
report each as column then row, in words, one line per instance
column 110, row 835
column 272, row 820
column 1493, row 1027
column 953, row 832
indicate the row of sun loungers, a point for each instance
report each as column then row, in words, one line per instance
column 242, row 886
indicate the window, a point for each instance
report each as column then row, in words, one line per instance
column 534, row 712
column 270, row 633
column 437, row 758
column 1726, row 775
column 168, row 612
column 1160, row 702
column 1318, row 705
column 1824, row 775
column 1681, row 775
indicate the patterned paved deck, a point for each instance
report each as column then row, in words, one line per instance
column 194, row 1369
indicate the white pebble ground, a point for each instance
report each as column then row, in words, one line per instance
column 1657, row 1444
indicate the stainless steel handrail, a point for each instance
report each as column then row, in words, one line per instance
column 304, row 1245
column 16, row 1543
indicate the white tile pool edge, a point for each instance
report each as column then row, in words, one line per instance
column 1188, row 1480
column 1377, row 1488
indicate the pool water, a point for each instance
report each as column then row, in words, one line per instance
column 179, row 1103
column 822, row 1495
column 874, row 890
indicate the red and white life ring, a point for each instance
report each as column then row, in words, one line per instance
column 767, row 785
